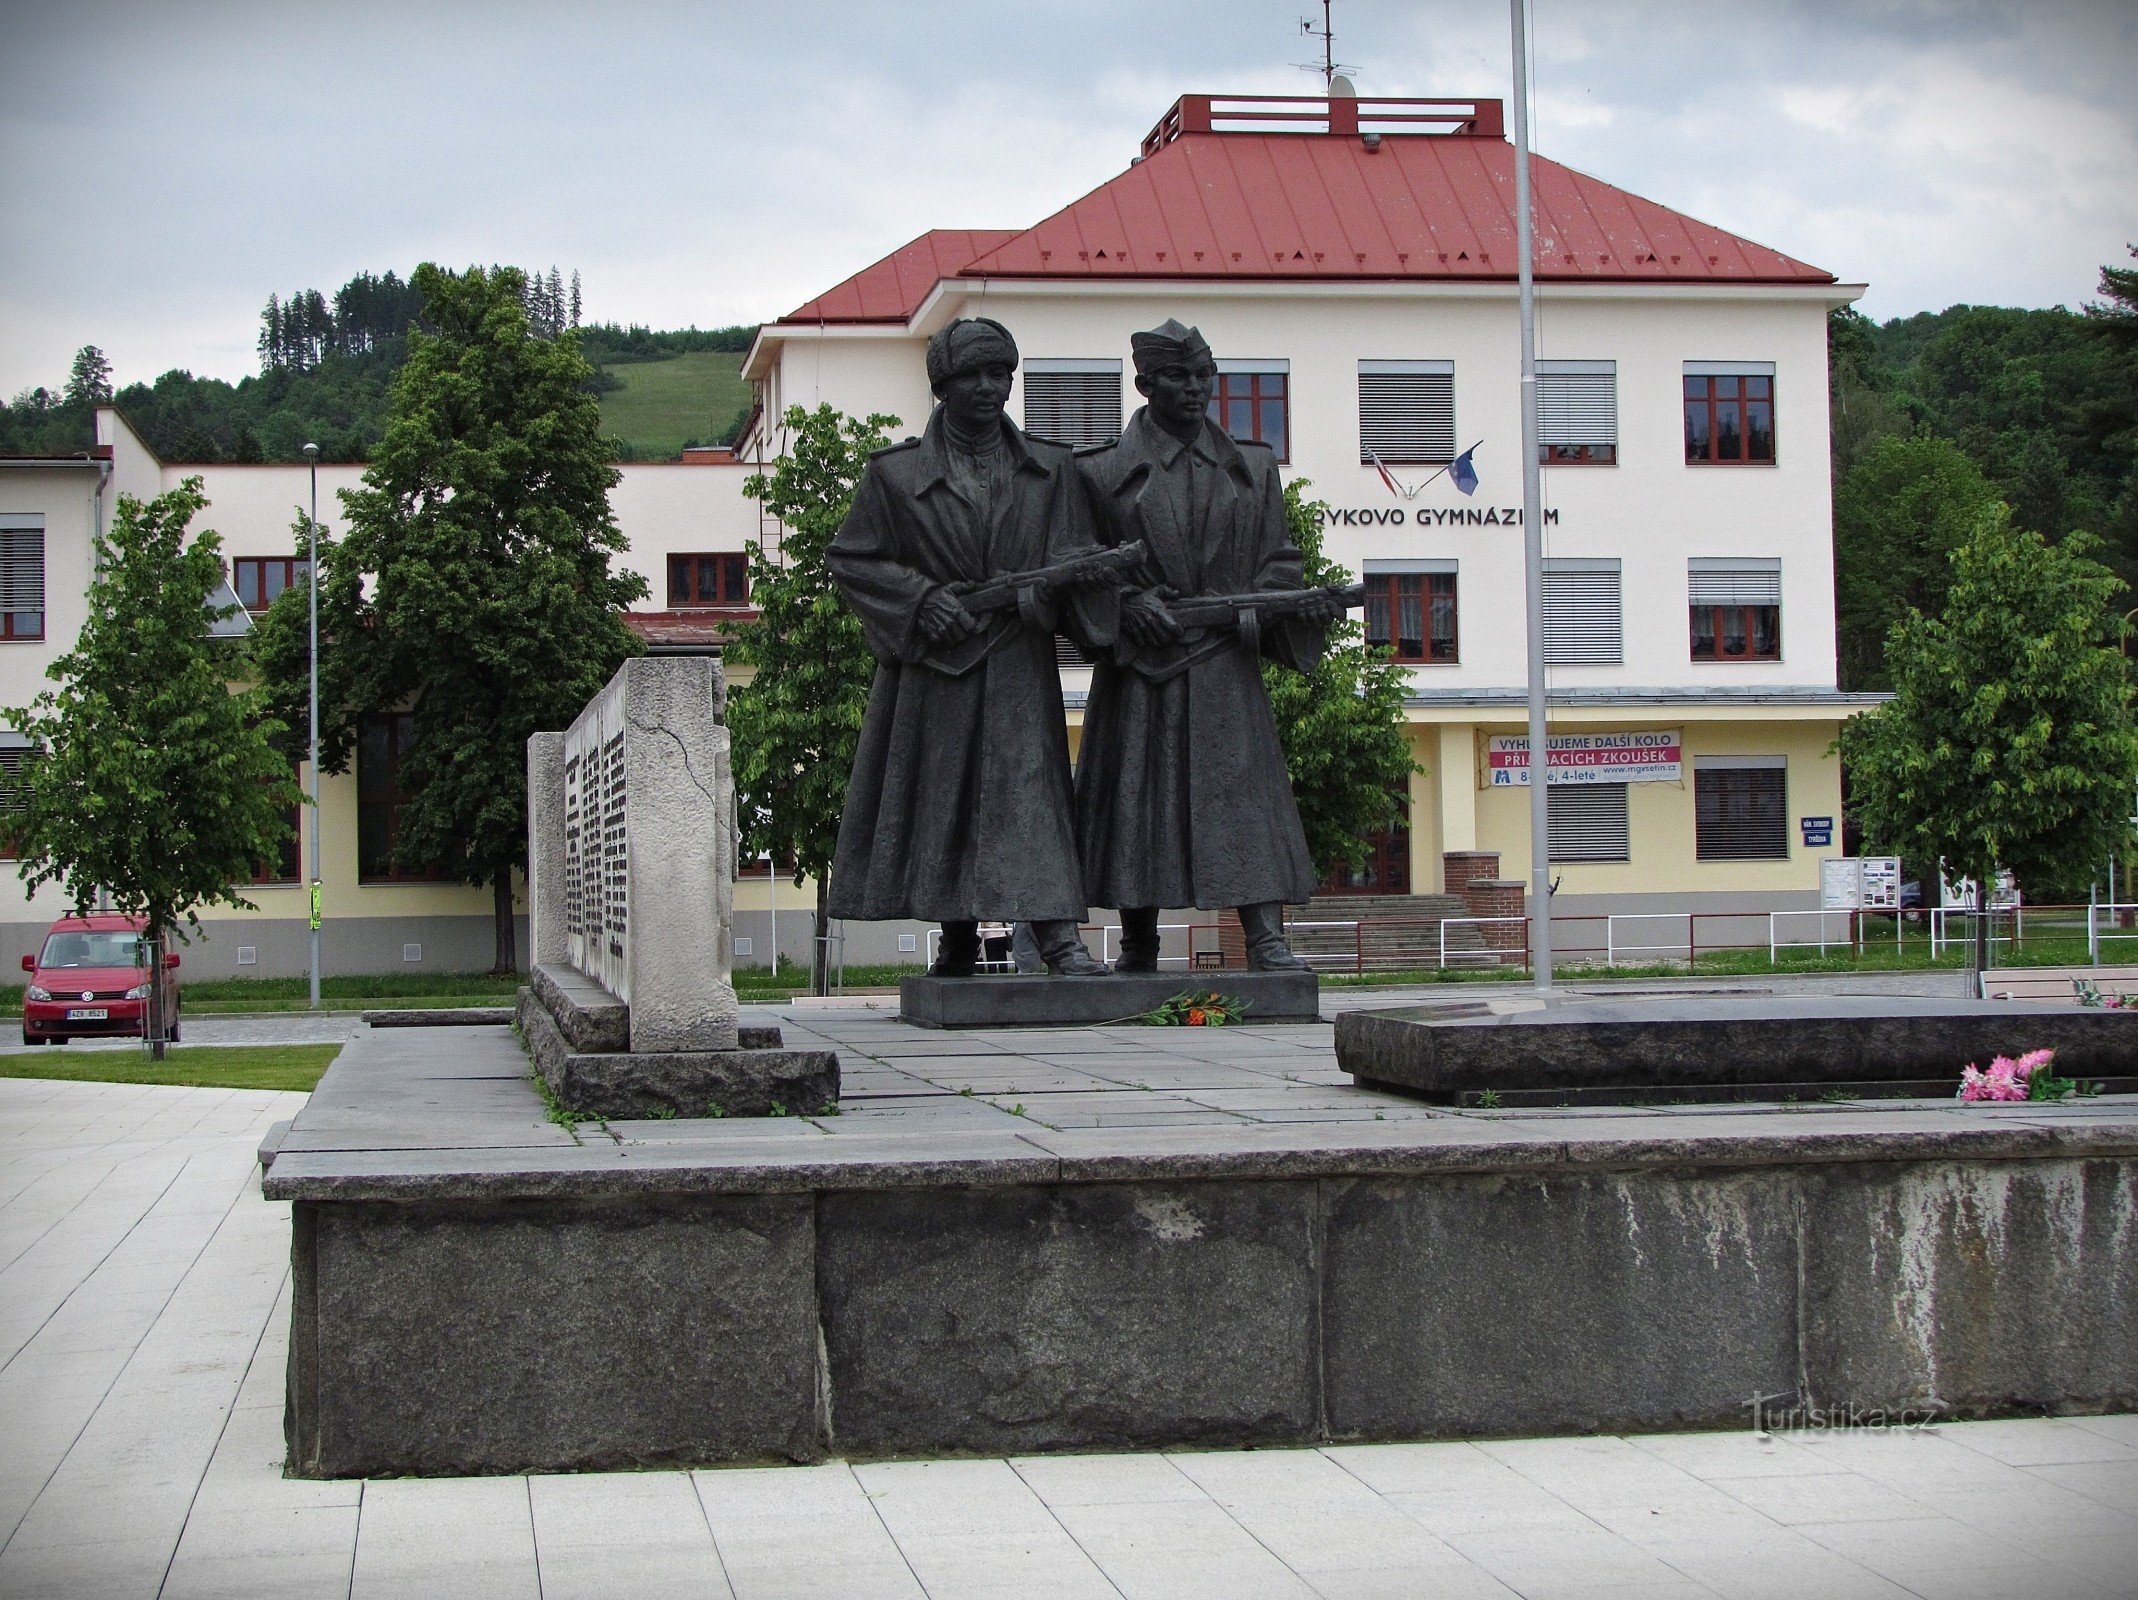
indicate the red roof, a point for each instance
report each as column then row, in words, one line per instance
column 893, row 289
column 1322, row 206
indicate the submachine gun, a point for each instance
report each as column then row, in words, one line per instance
column 1244, row 613
column 1096, row 569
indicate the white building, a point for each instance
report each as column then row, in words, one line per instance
column 1352, row 264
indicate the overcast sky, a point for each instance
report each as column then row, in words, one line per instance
column 164, row 167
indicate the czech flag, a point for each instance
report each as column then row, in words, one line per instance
column 1386, row 476
column 1462, row 472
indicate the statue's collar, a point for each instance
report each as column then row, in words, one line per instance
column 1213, row 444
column 934, row 455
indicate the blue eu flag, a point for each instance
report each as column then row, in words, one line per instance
column 1463, row 473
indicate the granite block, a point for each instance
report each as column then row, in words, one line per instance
column 1987, row 1288
column 588, row 1016
column 682, row 1083
column 1121, row 997
column 487, row 1337
column 1755, row 1044
column 1539, row 1303
column 1050, row 1318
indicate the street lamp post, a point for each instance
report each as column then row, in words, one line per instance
column 1540, row 882
column 311, row 528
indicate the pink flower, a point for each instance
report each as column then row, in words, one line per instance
column 2001, row 1082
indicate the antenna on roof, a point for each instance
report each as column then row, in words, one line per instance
column 1328, row 66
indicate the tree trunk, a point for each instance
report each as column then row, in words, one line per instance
column 507, row 960
column 157, row 1026
column 820, row 947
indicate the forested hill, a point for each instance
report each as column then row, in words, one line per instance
column 327, row 361
column 1938, row 417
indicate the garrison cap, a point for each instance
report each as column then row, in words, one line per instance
column 1167, row 345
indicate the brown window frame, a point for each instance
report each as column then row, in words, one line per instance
column 290, row 568
column 288, row 865
column 379, row 794
column 730, row 572
column 1578, row 455
column 1384, row 598
column 11, row 802
column 1229, row 391
column 1748, row 621
column 1707, row 401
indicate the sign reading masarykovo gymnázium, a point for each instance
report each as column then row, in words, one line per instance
column 1647, row 757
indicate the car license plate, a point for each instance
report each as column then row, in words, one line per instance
column 88, row 1014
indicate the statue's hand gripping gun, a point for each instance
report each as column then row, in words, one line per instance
column 1096, row 569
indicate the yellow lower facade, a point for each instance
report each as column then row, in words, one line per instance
column 372, row 926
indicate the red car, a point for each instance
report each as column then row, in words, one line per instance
column 92, row 979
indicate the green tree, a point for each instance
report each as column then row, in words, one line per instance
column 472, row 586
column 1898, row 517
column 89, row 382
column 155, row 783
column 796, row 722
column 2009, row 740
column 1341, row 724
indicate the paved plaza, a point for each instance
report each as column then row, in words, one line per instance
column 143, row 1324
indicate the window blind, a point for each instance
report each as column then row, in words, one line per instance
column 1577, row 402
column 1582, row 614
column 1073, row 401
column 1741, row 811
column 1715, row 581
column 1407, row 411
column 22, row 569
column 1585, row 822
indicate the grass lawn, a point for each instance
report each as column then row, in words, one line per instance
column 697, row 395
column 393, row 991
column 250, row 1066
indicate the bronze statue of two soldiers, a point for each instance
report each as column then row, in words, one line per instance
column 1165, row 558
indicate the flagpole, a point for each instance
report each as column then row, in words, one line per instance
column 1540, row 882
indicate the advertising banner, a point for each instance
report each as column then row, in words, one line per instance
column 1655, row 756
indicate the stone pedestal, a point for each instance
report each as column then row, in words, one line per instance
column 1091, row 1002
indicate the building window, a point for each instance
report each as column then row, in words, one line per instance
column 709, row 580
column 1072, row 402
column 1386, row 869
column 1577, row 413
column 1412, row 612
column 22, row 576
column 1735, row 609
column 259, row 579
column 1252, row 403
column 1582, row 613
column 1406, row 411
column 1585, row 821
column 15, row 758
column 286, row 865
column 383, row 746
column 1741, row 808
column 1729, row 413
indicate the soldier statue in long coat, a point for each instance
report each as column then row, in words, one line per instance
column 961, row 804
column 1182, row 794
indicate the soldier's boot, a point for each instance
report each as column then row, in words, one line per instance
column 1266, row 950
column 958, row 956
column 1024, row 949
column 1062, row 948
column 1139, row 940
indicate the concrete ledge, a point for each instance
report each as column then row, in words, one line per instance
column 271, row 1146
column 1715, row 1047
column 744, row 1082
column 1035, row 1002
column 591, row 1018
column 442, row 1017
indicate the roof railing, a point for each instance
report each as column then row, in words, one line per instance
column 1325, row 114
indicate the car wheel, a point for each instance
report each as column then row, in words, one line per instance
column 57, row 1038
column 174, row 1033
